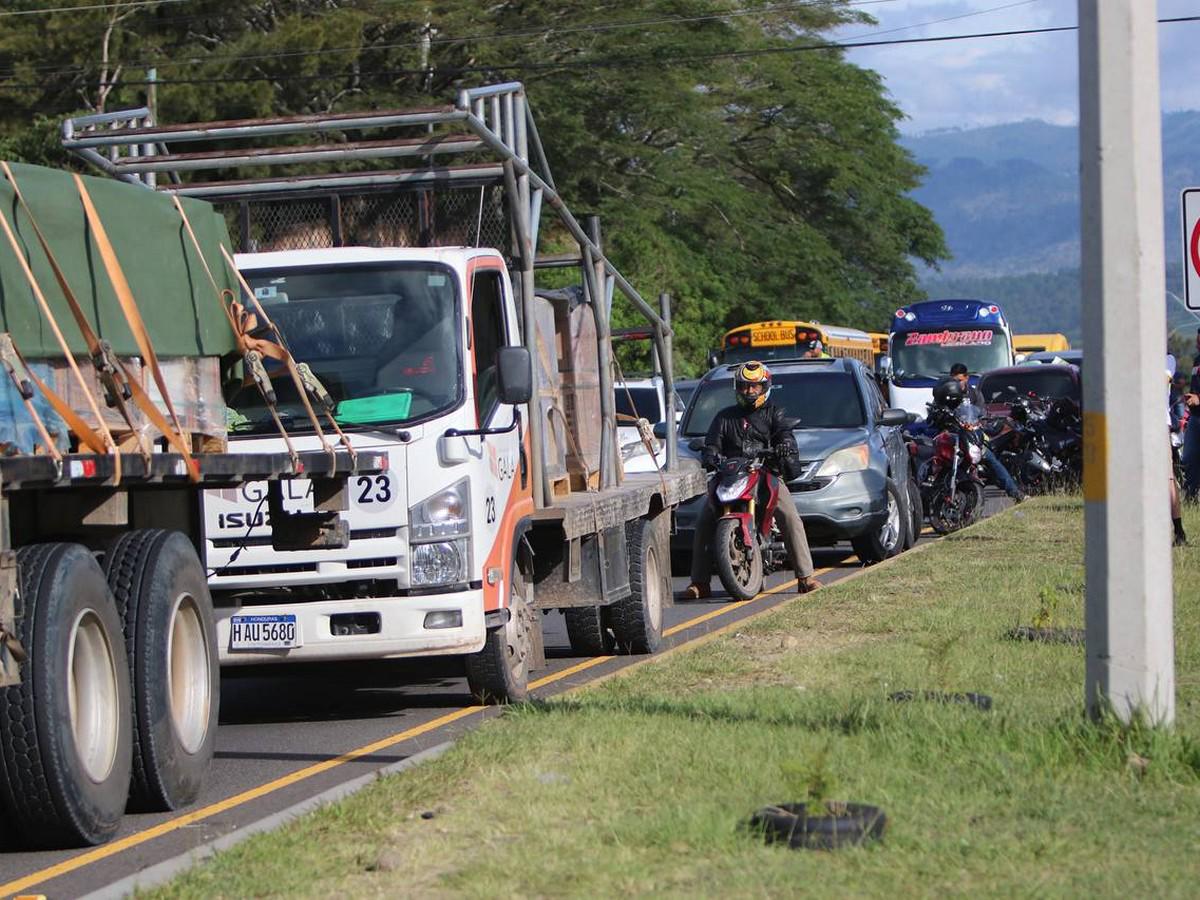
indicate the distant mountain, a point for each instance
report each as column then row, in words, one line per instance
column 1007, row 196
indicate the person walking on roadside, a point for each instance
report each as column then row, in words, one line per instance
column 1191, row 433
column 1180, row 538
column 753, row 423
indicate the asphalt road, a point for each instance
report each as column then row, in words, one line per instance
column 291, row 733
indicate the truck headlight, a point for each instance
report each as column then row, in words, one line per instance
column 848, row 459
column 446, row 514
column 440, row 535
column 443, row 562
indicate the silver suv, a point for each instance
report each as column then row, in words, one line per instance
column 857, row 481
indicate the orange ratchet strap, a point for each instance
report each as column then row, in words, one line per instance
column 174, row 435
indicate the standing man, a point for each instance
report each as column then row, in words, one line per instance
column 814, row 349
column 1191, row 434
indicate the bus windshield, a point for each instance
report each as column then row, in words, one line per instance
column 930, row 354
column 383, row 339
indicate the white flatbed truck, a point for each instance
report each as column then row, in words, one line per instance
column 428, row 352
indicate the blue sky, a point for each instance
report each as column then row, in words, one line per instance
column 985, row 82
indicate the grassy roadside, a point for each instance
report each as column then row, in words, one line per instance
column 636, row 786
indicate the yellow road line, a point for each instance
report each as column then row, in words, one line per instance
column 270, row 787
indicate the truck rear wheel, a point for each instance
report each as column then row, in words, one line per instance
column 65, row 732
column 587, row 630
column 171, row 649
column 499, row 673
column 637, row 620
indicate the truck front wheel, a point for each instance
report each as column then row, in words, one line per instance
column 65, row 732
column 171, row 645
column 499, row 673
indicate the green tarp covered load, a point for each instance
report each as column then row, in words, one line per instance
column 173, row 293
column 174, row 284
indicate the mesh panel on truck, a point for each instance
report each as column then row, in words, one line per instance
column 458, row 217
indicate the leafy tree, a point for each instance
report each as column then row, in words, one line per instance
column 749, row 177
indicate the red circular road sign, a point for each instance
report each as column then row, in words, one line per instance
column 1194, row 247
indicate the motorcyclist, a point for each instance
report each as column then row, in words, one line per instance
column 753, row 423
column 948, row 396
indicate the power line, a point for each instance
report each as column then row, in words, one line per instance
column 626, row 62
column 63, row 9
column 545, row 31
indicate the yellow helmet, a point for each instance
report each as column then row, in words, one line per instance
column 752, row 384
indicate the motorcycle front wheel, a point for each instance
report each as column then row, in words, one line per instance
column 949, row 513
column 739, row 567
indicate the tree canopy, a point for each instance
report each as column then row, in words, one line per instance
column 735, row 163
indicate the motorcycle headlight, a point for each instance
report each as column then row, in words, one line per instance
column 974, row 452
column 848, row 459
column 446, row 514
column 733, row 490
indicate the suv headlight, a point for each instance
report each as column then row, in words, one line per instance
column 439, row 530
column 848, row 459
column 637, row 448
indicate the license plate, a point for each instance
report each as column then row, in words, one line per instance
column 276, row 632
column 761, row 336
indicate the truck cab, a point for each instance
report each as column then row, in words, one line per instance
column 407, row 342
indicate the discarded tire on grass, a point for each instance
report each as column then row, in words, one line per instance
column 979, row 701
column 1072, row 636
column 836, row 825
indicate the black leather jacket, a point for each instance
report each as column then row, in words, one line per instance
column 734, row 431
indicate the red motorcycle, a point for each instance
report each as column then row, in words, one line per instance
column 951, row 485
column 747, row 544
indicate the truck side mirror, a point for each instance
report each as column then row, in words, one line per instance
column 714, row 359
column 660, row 430
column 885, row 368
column 514, row 375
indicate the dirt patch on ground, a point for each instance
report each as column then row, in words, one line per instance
column 768, row 652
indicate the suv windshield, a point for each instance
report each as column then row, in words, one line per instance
column 383, row 338
column 817, row 399
column 930, row 354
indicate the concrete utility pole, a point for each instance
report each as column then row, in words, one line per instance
column 1130, row 642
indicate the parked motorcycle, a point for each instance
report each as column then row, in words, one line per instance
column 1040, row 442
column 950, row 481
column 747, row 544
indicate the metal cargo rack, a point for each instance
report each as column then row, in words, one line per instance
column 494, row 197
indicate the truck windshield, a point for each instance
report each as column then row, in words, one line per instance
column 383, row 339
column 930, row 354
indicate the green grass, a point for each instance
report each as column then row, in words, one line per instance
column 637, row 786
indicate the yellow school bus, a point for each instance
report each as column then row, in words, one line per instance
column 1034, row 343
column 787, row 340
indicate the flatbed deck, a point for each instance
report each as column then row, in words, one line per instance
column 216, row 469
column 591, row 512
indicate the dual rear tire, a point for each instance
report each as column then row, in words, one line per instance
column 117, row 704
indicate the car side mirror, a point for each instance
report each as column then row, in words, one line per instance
column 696, row 445
column 660, row 430
column 892, row 418
column 514, row 375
